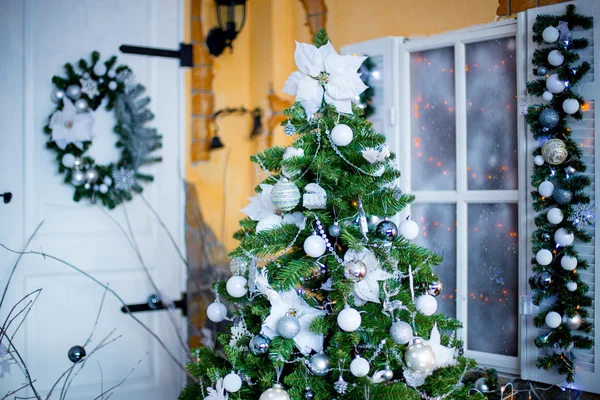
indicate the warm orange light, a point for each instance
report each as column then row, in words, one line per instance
column 467, row 68
column 436, row 223
column 585, row 107
column 489, row 177
column 426, row 105
column 475, row 229
column 468, row 168
column 416, row 115
column 503, row 168
column 416, row 106
column 445, row 101
column 449, row 228
column 450, row 109
column 439, row 164
column 470, row 104
column 430, row 159
column 417, row 142
column 451, row 71
column 419, row 99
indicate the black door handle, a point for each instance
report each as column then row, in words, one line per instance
column 154, row 303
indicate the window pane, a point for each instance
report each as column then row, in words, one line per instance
column 374, row 79
column 491, row 115
column 437, row 223
column 493, row 278
column 433, row 131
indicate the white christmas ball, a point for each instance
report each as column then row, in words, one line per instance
column 315, row 246
column 269, row 222
column 68, row 160
column 409, row 229
column 103, row 189
column 349, row 319
column 563, row 238
column 112, row 85
column 571, row 286
column 236, row 286
column 556, row 58
column 570, row 106
column 546, row 189
column 553, row 319
column 359, row 367
column 112, row 73
column 81, row 105
column 568, row 263
column 554, row 84
column 341, row 135
column 292, row 151
column 275, row 393
column 74, row 92
column 547, row 96
column 544, row 257
column 99, row 69
column 426, row 303
column 232, row 382
column 550, row 34
column 216, row 312
column 555, row 216
column 538, row 160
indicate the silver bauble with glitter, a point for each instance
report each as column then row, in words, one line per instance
column 335, row 230
column 57, row 95
column 259, row 344
column 78, row 178
column 288, row 326
column 435, row 288
column 77, row 163
column 541, row 70
column 419, row 357
column 401, row 332
column 74, row 92
column 91, row 175
column 562, row 196
column 386, row 230
column 549, row 118
column 309, row 394
column 543, row 280
column 554, row 152
column 81, row 105
column 481, row 385
column 275, row 393
column 355, row 270
column 573, row 322
column 570, row 170
column 285, row 195
column 319, row 364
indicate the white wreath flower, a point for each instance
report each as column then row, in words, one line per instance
column 324, row 73
column 70, row 127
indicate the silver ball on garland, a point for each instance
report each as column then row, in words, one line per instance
column 77, row 162
column 285, row 195
column 335, row 230
column 91, row 175
column 401, row 332
column 419, row 357
column 538, row 160
column 549, row 118
column 289, row 129
column 550, row 34
column 57, row 95
column 554, row 84
column 112, row 85
column 275, row 393
column 554, row 151
column 319, row 364
column 435, row 288
column 573, row 322
column 547, row 96
column 481, row 385
column 288, row 326
column 99, row 69
column 76, row 354
column 570, row 170
column 570, row 106
column 74, row 91
column 309, row 394
column 383, row 375
column 111, row 73
column 541, row 70
column 555, row 58
column 103, row 188
column 78, row 178
column 386, row 230
column 81, row 105
column 543, row 280
column 545, row 237
column 87, row 186
column 67, row 160
column 154, row 302
column 562, row 196
column 571, row 286
column 355, row 270
column 259, row 344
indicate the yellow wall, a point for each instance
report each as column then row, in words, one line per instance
column 263, row 56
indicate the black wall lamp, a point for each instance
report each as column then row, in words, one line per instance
column 231, row 16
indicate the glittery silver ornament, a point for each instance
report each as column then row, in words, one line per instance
column 554, row 152
column 570, row 170
column 315, row 197
column 285, row 195
column 562, row 196
column 573, row 322
column 81, row 105
column 259, row 344
column 335, row 230
column 386, row 230
column 309, row 394
column 543, row 280
column 77, row 178
column 275, row 393
column 419, row 357
column 319, row 364
column 549, row 118
column 74, row 91
column 91, row 175
column 435, row 288
column 542, row 71
column 355, row 270
column 401, row 332
column 57, row 95
column 288, row 326
column 341, row 386
column 289, row 129
column 481, row 385
column 76, row 354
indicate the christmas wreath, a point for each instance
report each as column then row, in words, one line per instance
column 70, row 129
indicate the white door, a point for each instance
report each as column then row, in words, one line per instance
column 36, row 39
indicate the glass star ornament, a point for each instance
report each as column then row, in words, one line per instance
column 124, row 179
column 68, row 126
column 323, row 73
column 89, row 87
column 368, row 288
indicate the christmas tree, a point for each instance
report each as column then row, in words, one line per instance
column 325, row 305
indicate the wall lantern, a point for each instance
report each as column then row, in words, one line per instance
column 231, row 15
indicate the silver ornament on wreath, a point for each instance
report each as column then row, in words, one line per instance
column 419, row 357
column 384, row 375
column 259, row 344
column 482, row 385
column 285, row 195
column 543, row 280
column 386, row 230
column 562, row 196
column 319, row 364
column 573, row 322
column 355, row 270
column 401, row 332
column 554, row 152
column 315, row 197
column 288, row 326
column 275, row 393
column 549, row 118
column 309, row 394
column 435, row 288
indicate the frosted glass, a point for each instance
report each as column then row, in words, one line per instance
column 433, row 129
column 493, row 273
column 491, row 115
column 437, row 225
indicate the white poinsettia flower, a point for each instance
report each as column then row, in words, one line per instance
column 368, row 288
column 260, row 205
column 324, row 73
column 70, row 127
column 444, row 356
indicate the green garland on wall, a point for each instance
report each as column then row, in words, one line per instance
column 562, row 206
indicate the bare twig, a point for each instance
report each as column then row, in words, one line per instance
column 15, row 391
column 122, row 380
column 23, row 367
column 101, row 379
column 26, row 308
column 89, row 339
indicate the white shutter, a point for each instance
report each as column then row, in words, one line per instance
column 587, row 361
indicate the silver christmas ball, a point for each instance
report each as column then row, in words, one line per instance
column 74, row 92
column 481, row 385
column 435, row 288
column 285, row 195
column 91, row 175
column 76, row 354
column 545, row 237
column 542, row 71
column 335, row 230
column 289, row 129
column 419, row 357
column 259, row 344
column 309, row 394
column 78, row 178
column 112, row 85
column 562, row 196
column 87, row 186
column 543, row 280
column 570, row 170
column 554, row 152
column 275, row 393
column 57, row 95
column 401, row 332
column 319, row 364
column 573, row 322
column 355, row 270
column 387, row 374
column 386, row 230
column 81, row 105
column 549, row 118
column 288, row 326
